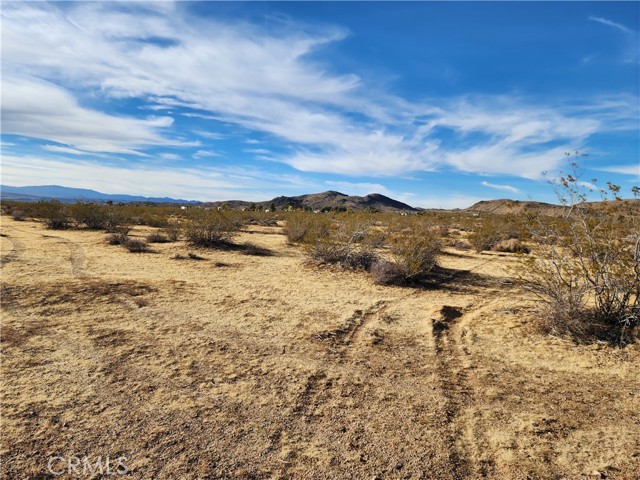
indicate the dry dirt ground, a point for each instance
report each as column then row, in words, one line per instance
column 261, row 367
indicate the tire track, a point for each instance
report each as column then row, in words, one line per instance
column 342, row 338
column 453, row 382
column 18, row 248
column 450, row 333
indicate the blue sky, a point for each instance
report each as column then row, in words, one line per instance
column 436, row 104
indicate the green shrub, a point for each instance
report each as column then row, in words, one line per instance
column 303, row 227
column 54, row 214
column 211, row 230
column 90, row 215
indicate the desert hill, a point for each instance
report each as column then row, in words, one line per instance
column 328, row 199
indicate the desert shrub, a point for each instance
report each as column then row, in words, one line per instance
column 54, row 214
column 157, row 238
column 513, row 245
column 211, row 230
column 116, row 220
column 344, row 255
column 172, row 231
column 136, row 245
column 117, row 239
column 307, row 227
column 18, row 215
column 586, row 268
column 484, row 236
column 384, row 272
column 88, row 214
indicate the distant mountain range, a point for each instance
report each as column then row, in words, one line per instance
column 71, row 195
column 314, row 201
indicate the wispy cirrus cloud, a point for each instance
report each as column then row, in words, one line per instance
column 235, row 73
column 631, row 52
column 506, row 188
column 40, row 109
column 611, row 23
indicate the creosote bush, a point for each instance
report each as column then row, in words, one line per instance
column 586, row 265
column 54, row 214
column 211, row 230
column 307, row 227
column 414, row 255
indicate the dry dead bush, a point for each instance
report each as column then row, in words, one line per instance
column 513, row 245
column 117, row 239
column 344, row 255
column 586, row 268
column 136, row 245
column 157, row 237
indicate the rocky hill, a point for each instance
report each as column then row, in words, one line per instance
column 329, row 199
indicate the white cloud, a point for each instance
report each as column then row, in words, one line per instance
column 611, row 23
column 63, row 149
column 506, row 188
column 631, row 53
column 205, row 154
column 40, row 109
column 623, row 169
column 260, row 151
column 236, row 73
column 360, row 188
column 170, row 156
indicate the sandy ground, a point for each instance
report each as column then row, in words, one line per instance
column 261, row 367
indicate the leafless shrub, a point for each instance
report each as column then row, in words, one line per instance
column 384, row 272
column 135, row 245
column 157, row 238
column 117, row 239
column 116, row 220
column 344, row 255
column 188, row 256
